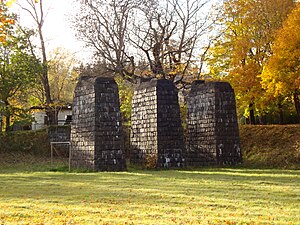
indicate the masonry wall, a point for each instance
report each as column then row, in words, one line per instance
column 156, row 135
column 96, row 131
column 212, row 128
column 58, row 133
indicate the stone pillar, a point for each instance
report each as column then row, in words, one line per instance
column 96, row 130
column 212, row 128
column 156, row 135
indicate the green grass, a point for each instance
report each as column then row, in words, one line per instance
column 204, row 196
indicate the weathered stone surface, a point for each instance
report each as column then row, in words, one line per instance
column 59, row 133
column 96, row 131
column 156, row 130
column 212, row 128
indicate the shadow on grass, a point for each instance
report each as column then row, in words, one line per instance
column 184, row 193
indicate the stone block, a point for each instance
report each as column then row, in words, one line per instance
column 157, row 135
column 96, row 129
column 212, row 128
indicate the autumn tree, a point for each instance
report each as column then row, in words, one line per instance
column 142, row 38
column 35, row 8
column 62, row 75
column 247, row 33
column 5, row 19
column 19, row 70
column 281, row 75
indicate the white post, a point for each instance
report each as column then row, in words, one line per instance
column 51, row 144
column 70, row 153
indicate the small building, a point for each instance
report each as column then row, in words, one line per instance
column 64, row 116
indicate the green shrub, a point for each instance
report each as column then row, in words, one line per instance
column 31, row 142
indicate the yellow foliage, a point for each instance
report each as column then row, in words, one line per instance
column 281, row 75
column 2, row 38
column 9, row 3
column 5, row 19
column 178, row 69
column 239, row 55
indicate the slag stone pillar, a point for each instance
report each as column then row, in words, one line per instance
column 96, row 130
column 156, row 135
column 212, row 128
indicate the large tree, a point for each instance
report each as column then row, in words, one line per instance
column 248, row 30
column 137, row 37
column 281, row 75
column 35, row 8
column 19, row 70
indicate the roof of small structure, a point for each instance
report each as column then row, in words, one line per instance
column 59, row 107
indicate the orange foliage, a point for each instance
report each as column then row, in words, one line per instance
column 5, row 19
column 281, row 75
column 240, row 54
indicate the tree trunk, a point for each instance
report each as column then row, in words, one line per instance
column 297, row 105
column 280, row 111
column 263, row 120
column 7, row 116
column 252, row 116
column 50, row 112
column 52, row 115
column 7, row 123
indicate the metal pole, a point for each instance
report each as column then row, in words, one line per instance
column 51, row 144
column 70, row 152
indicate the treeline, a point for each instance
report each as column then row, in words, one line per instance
column 252, row 44
column 258, row 53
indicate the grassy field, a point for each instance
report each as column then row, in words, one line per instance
column 35, row 195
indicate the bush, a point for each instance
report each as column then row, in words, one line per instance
column 26, row 142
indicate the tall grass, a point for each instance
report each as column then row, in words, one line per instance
column 271, row 146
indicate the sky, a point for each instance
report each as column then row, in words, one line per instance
column 57, row 28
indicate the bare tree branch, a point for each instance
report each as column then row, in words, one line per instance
column 160, row 35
